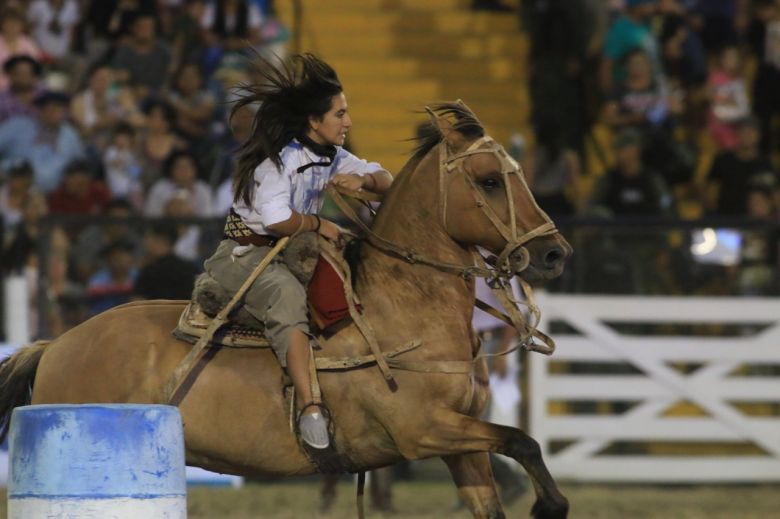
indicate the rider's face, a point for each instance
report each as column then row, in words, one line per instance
column 332, row 128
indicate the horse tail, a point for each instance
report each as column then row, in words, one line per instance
column 17, row 374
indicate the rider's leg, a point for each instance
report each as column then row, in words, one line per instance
column 312, row 424
column 298, row 368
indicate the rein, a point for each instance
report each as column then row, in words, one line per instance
column 498, row 277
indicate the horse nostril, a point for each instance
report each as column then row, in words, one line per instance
column 553, row 257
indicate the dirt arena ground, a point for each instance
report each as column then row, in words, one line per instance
column 433, row 500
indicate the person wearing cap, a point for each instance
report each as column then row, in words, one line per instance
column 24, row 84
column 734, row 171
column 48, row 142
column 629, row 31
column 113, row 285
column 629, row 188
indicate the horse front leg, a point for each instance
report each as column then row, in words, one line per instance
column 477, row 489
column 451, row 433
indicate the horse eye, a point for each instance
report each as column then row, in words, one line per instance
column 490, row 184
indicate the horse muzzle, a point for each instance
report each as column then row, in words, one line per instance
column 546, row 258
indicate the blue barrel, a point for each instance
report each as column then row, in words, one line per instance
column 96, row 461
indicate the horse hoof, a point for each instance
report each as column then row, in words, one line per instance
column 550, row 509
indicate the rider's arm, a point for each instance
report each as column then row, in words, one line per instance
column 372, row 177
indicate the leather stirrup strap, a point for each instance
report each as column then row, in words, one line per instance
column 314, row 382
column 363, row 325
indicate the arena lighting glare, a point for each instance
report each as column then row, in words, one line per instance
column 707, row 244
column 716, row 246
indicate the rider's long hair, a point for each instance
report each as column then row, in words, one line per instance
column 291, row 92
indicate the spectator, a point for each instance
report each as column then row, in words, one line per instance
column 560, row 34
column 53, row 23
column 631, row 30
column 232, row 23
column 123, row 166
column 85, row 252
column 553, row 173
column 728, row 98
column 630, row 189
column 165, row 275
column 143, row 62
column 98, row 108
column 180, row 181
column 79, row 193
column 47, row 142
column 19, row 249
column 13, row 194
column 13, row 40
column 758, row 274
column 240, row 130
column 194, row 106
column 158, row 142
column 716, row 21
column 765, row 41
column 187, row 42
column 23, row 74
column 113, row 285
column 683, row 56
column 188, row 244
column 107, row 22
column 733, row 171
column 642, row 102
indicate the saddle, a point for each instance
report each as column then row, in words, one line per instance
column 322, row 274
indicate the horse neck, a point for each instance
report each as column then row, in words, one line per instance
column 410, row 218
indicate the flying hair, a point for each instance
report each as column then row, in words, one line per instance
column 289, row 93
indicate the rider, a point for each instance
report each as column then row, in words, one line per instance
column 294, row 150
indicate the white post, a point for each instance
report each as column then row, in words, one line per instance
column 16, row 310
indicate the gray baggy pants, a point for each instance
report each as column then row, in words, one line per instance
column 276, row 297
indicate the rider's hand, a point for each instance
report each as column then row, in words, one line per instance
column 349, row 181
column 331, row 231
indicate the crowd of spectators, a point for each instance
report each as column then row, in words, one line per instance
column 659, row 109
column 692, row 83
column 118, row 109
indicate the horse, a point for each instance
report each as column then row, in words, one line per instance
column 443, row 204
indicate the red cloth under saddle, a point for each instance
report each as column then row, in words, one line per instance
column 325, row 293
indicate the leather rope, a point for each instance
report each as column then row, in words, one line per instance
column 174, row 390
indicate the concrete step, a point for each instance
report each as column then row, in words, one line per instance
column 420, row 45
column 374, row 6
column 458, row 22
column 498, row 68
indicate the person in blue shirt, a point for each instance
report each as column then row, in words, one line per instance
column 628, row 32
column 46, row 141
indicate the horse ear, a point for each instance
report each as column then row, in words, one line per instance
column 454, row 139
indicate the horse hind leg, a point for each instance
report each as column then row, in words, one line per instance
column 476, row 487
column 451, row 433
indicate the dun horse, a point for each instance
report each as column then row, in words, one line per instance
column 443, row 204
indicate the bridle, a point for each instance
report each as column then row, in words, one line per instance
column 502, row 271
column 448, row 163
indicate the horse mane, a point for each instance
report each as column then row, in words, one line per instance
column 462, row 118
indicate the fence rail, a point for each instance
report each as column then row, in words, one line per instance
column 680, row 415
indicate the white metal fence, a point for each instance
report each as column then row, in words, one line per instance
column 719, row 376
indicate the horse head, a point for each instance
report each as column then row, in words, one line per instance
column 483, row 198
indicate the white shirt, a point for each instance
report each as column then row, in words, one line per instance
column 279, row 193
column 40, row 15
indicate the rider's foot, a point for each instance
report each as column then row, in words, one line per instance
column 314, row 429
